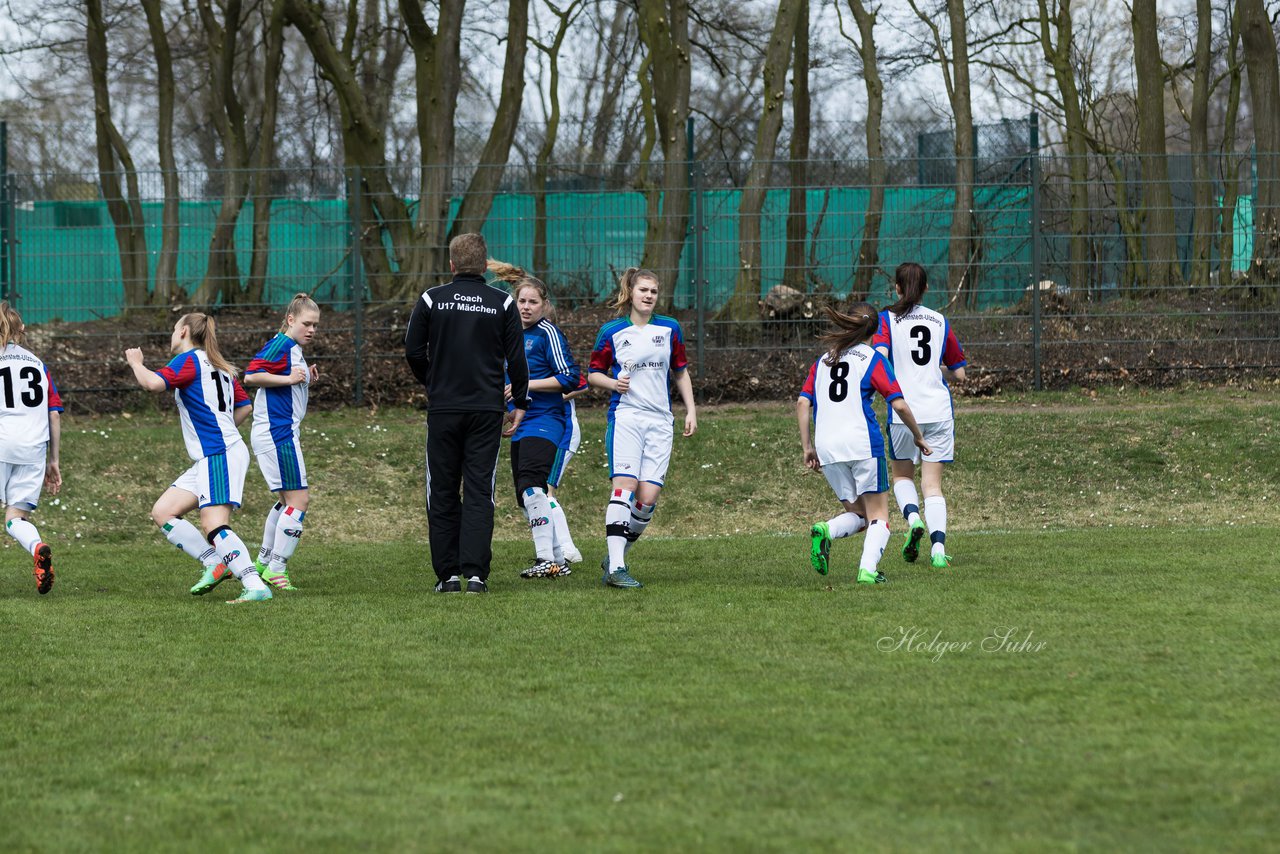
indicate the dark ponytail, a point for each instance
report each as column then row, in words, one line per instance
column 913, row 281
column 852, row 328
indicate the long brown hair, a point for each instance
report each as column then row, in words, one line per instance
column 204, row 336
column 852, row 328
column 517, row 279
column 629, row 278
column 300, row 303
column 10, row 325
column 913, row 281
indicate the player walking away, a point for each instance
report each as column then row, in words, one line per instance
column 283, row 380
column 925, row 353
column 30, row 436
column 211, row 405
column 635, row 358
column 460, row 338
column 847, row 445
column 535, row 445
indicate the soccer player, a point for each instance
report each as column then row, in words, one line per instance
column 847, row 446
column 535, row 445
column 211, row 405
column 283, row 379
column 635, row 357
column 925, row 353
column 30, row 436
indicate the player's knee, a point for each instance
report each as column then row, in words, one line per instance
column 160, row 515
column 527, row 482
column 299, row 501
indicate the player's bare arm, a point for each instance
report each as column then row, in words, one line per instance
column 685, row 386
column 149, row 380
column 804, row 420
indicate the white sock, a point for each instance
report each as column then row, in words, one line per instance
column 873, row 546
column 845, row 525
column 935, row 513
column 235, row 554
column 641, row 516
column 560, row 526
column 538, row 508
column 617, row 518
column 269, row 534
column 25, row 533
column 186, row 537
column 908, row 499
column 288, row 533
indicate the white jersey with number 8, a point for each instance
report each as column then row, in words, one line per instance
column 27, row 396
column 845, row 427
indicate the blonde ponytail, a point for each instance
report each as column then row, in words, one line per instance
column 300, row 303
column 204, row 336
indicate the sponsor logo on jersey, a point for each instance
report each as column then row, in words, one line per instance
column 658, row 339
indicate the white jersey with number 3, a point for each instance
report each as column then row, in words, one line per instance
column 920, row 342
column 27, row 396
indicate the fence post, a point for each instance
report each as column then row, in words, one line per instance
column 355, row 213
column 1036, row 273
column 699, row 256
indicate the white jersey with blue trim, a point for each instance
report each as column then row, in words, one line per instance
column 648, row 355
column 207, row 399
column 919, row 344
column 27, row 396
column 278, row 411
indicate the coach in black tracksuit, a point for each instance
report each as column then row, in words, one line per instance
column 461, row 336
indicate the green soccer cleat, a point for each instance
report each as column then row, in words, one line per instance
column 911, row 548
column 940, row 561
column 620, row 578
column 278, row 580
column 865, row 577
column 263, row 595
column 820, row 547
column 212, row 577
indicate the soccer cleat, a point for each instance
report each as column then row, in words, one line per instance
column 911, row 548
column 620, row 578
column 475, row 584
column 867, row 577
column 263, row 595
column 544, row 569
column 820, row 547
column 278, row 580
column 212, row 577
column 449, row 585
column 940, row 561
column 43, row 568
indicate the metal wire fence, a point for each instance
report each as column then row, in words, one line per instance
column 1064, row 273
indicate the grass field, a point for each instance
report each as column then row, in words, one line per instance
column 1096, row 672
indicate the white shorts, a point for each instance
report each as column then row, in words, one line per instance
column 282, row 466
column 940, row 436
column 851, row 479
column 640, row 447
column 218, row 479
column 20, row 485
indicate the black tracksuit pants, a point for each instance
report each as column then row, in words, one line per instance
column 462, row 453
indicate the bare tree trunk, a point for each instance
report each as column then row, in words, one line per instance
column 114, row 158
column 545, row 152
column 477, row 201
column 437, row 74
column 960, row 272
column 1205, row 214
column 664, row 29
column 869, row 243
column 797, row 207
column 1227, row 157
column 166, row 288
column 743, row 307
column 1162, row 244
column 262, row 194
column 1264, row 94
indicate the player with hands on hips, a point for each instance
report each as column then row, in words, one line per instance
column 636, row 358
column 283, row 379
column 846, row 445
column 30, row 440
column 211, row 406
column 925, row 353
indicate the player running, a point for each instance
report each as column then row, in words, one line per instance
column 925, row 353
column 847, row 445
column 212, row 405
column 283, row 379
column 635, row 358
column 30, row 437
column 535, row 445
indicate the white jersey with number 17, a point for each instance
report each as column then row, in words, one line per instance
column 207, row 399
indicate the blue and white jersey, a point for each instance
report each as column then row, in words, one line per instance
column 207, row 399
column 547, row 353
column 648, row 354
column 278, row 411
column 845, row 426
column 28, row 396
